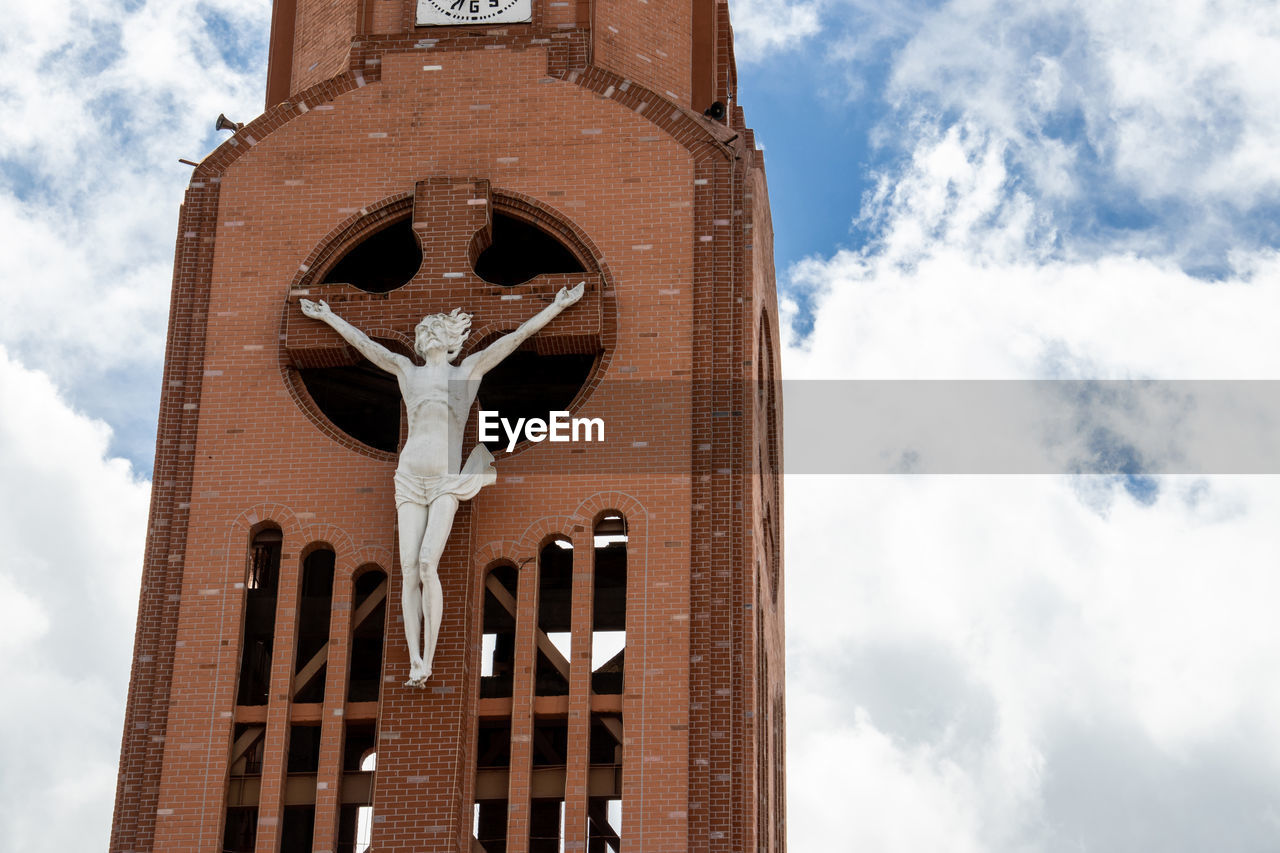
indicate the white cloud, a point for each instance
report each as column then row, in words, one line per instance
column 964, row 643
column 961, row 284
column 761, row 29
column 73, row 523
column 101, row 101
column 1042, row 663
column 1172, row 101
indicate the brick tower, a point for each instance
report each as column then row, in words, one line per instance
column 609, row 670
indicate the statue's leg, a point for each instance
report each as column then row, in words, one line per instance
column 439, row 523
column 413, row 522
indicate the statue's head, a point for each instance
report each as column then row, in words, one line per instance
column 445, row 331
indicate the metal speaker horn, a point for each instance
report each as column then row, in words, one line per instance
column 715, row 111
column 224, row 123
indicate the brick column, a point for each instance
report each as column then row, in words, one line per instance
column 526, row 662
column 275, row 757
column 329, row 790
column 578, row 760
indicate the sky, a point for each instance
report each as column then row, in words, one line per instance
column 961, row 190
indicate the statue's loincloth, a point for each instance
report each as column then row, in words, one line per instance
column 421, row 489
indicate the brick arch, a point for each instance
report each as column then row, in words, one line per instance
column 596, row 505
column 255, row 517
column 699, row 136
column 400, row 341
column 275, row 117
column 333, row 536
column 537, row 534
column 305, row 534
column 556, row 223
column 349, row 233
column 494, row 551
column 366, row 555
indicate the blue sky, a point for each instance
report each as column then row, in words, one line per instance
column 962, row 190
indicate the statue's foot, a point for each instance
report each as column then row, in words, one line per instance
column 416, row 676
column 419, row 679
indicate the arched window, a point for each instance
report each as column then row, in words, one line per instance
column 608, row 656
column 555, row 612
column 498, row 632
column 261, row 584
column 262, row 581
column 314, row 604
column 609, row 604
column 768, row 473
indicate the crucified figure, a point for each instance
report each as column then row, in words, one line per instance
column 430, row 481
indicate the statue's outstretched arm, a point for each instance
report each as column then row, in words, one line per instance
column 488, row 358
column 375, row 352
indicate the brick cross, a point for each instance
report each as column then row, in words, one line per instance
column 453, row 220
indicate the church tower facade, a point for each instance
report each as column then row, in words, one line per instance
column 609, row 668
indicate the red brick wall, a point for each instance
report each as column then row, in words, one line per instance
column 323, row 30
column 647, row 41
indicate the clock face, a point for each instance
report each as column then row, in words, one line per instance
column 435, row 13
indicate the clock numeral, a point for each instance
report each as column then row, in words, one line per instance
column 457, row 4
column 493, row 4
column 473, row 6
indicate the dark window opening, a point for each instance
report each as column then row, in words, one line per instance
column 546, row 826
column 240, row 833
column 493, row 760
column 355, row 815
column 498, row 640
column 550, row 743
column 315, row 603
column 604, row 824
column 606, row 739
column 555, row 614
column 529, row 385
column 609, row 605
column 247, row 748
column 493, row 743
column 369, row 623
column 259, row 618
column 360, row 742
column 490, row 825
column 297, row 825
column 360, row 400
column 244, row 785
column 264, row 562
column 382, row 262
column 604, row 801
column 355, row 828
column 304, row 749
column 520, row 251
column 348, row 827
column 769, row 462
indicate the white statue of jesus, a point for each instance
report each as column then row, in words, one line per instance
column 430, row 481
